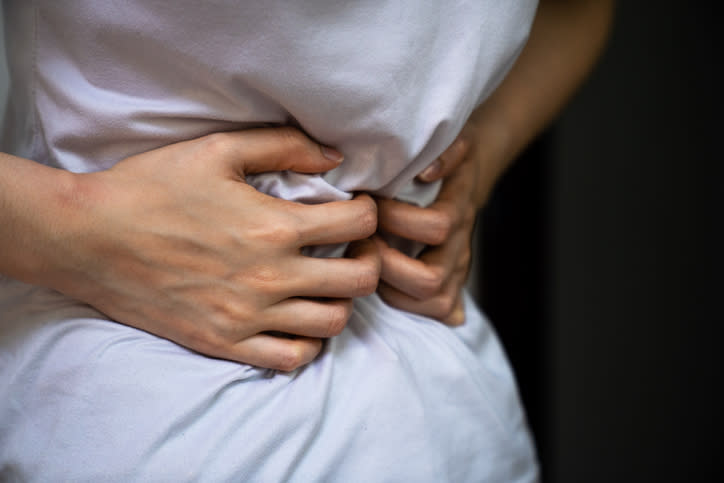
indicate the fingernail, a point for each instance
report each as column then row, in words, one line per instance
column 332, row 154
column 431, row 171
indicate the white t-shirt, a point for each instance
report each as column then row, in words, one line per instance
column 395, row 397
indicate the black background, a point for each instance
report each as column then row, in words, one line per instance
column 601, row 259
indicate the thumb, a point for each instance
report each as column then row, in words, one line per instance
column 276, row 149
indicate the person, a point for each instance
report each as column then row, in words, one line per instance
column 175, row 305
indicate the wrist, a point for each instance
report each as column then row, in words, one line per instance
column 36, row 211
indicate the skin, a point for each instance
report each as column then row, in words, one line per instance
column 174, row 242
column 566, row 38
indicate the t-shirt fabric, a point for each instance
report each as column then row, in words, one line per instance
column 396, row 396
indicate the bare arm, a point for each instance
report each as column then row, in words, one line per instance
column 174, row 242
column 566, row 39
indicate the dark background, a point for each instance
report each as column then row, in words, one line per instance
column 601, row 259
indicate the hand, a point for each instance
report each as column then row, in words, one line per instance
column 431, row 284
column 174, row 242
column 568, row 35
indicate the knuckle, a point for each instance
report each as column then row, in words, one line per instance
column 263, row 278
column 208, row 343
column 440, row 227
column 367, row 219
column 445, row 305
column 463, row 146
column 456, row 152
column 227, row 315
column 367, row 279
column 232, row 313
column 336, row 320
column 216, row 143
column 293, row 139
column 223, row 311
column 375, row 267
column 282, row 232
column 431, row 283
column 290, row 358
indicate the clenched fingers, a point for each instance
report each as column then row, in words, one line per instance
column 269, row 149
column 337, row 221
column 274, row 352
column 425, row 276
column 448, row 161
column 432, row 225
column 429, row 284
column 318, row 318
column 445, row 306
column 356, row 276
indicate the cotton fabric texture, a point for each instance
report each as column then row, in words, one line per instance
column 395, row 397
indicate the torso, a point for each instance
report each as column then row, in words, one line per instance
column 395, row 397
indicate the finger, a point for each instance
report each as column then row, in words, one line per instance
column 413, row 276
column 336, row 221
column 457, row 316
column 447, row 162
column 356, row 276
column 272, row 352
column 432, row 225
column 427, row 275
column 453, row 255
column 459, row 186
column 270, row 149
column 440, row 307
column 311, row 318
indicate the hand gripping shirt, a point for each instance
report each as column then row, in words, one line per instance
column 396, row 396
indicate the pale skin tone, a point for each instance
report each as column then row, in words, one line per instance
column 174, row 242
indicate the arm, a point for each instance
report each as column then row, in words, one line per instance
column 173, row 242
column 566, row 39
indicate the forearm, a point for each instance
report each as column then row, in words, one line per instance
column 34, row 204
column 566, row 39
